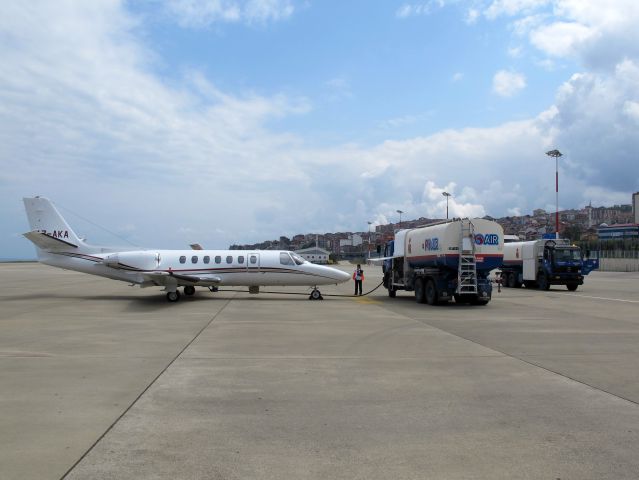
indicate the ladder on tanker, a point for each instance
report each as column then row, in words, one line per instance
column 467, row 267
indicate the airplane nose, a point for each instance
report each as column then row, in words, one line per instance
column 343, row 276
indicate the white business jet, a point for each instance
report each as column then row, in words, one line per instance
column 59, row 246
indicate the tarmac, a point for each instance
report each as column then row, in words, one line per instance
column 99, row 380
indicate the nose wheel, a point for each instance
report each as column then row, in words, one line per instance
column 315, row 295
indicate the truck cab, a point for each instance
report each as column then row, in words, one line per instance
column 563, row 264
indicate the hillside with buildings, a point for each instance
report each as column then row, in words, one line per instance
column 586, row 224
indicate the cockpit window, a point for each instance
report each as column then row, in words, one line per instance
column 297, row 259
column 285, row 259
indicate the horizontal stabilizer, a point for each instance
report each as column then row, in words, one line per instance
column 48, row 242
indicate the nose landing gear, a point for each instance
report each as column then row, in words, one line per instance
column 315, row 295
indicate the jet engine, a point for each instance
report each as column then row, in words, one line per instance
column 133, row 260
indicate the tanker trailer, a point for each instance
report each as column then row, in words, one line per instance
column 446, row 260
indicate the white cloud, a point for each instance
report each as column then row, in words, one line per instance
column 203, row 13
column 513, row 7
column 404, row 120
column 414, row 9
column 472, row 15
column 339, row 88
column 561, row 39
column 457, row 77
column 592, row 119
column 514, row 52
column 631, row 109
column 420, row 8
column 507, row 84
column 514, row 212
column 600, row 34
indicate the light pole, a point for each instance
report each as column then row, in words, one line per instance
column 556, row 153
column 446, row 194
column 400, row 218
column 369, row 241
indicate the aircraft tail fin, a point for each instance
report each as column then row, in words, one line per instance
column 49, row 230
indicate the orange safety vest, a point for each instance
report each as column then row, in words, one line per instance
column 361, row 275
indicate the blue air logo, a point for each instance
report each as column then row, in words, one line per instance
column 488, row 239
column 431, row 244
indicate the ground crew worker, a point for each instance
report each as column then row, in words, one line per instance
column 358, row 276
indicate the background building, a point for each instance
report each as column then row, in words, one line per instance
column 314, row 254
column 613, row 232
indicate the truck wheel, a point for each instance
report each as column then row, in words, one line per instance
column 542, row 282
column 419, row 291
column 431, row 293
column 391, row 291
column 572, row 286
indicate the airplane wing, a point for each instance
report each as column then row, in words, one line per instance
column 162, row 278
column 47, row 242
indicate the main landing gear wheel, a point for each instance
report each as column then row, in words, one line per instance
column 173, row 296
column 315, row 295
column 189, row 290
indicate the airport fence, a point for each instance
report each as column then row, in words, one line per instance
column 618, row 260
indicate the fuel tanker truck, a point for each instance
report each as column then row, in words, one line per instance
column 445, row 260
column 542, row 263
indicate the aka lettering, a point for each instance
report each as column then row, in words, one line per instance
column 56, row 233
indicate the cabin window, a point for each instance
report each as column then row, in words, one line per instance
column 229, row 259
column 206, row 259
column 253, row 259
column 218, row 259
column 194, row 259
column 285, row 259
column 240, row 259
column 182, row 259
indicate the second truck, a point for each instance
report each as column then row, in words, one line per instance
column 542, row 263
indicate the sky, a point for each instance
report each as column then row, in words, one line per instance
column 161, row 123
